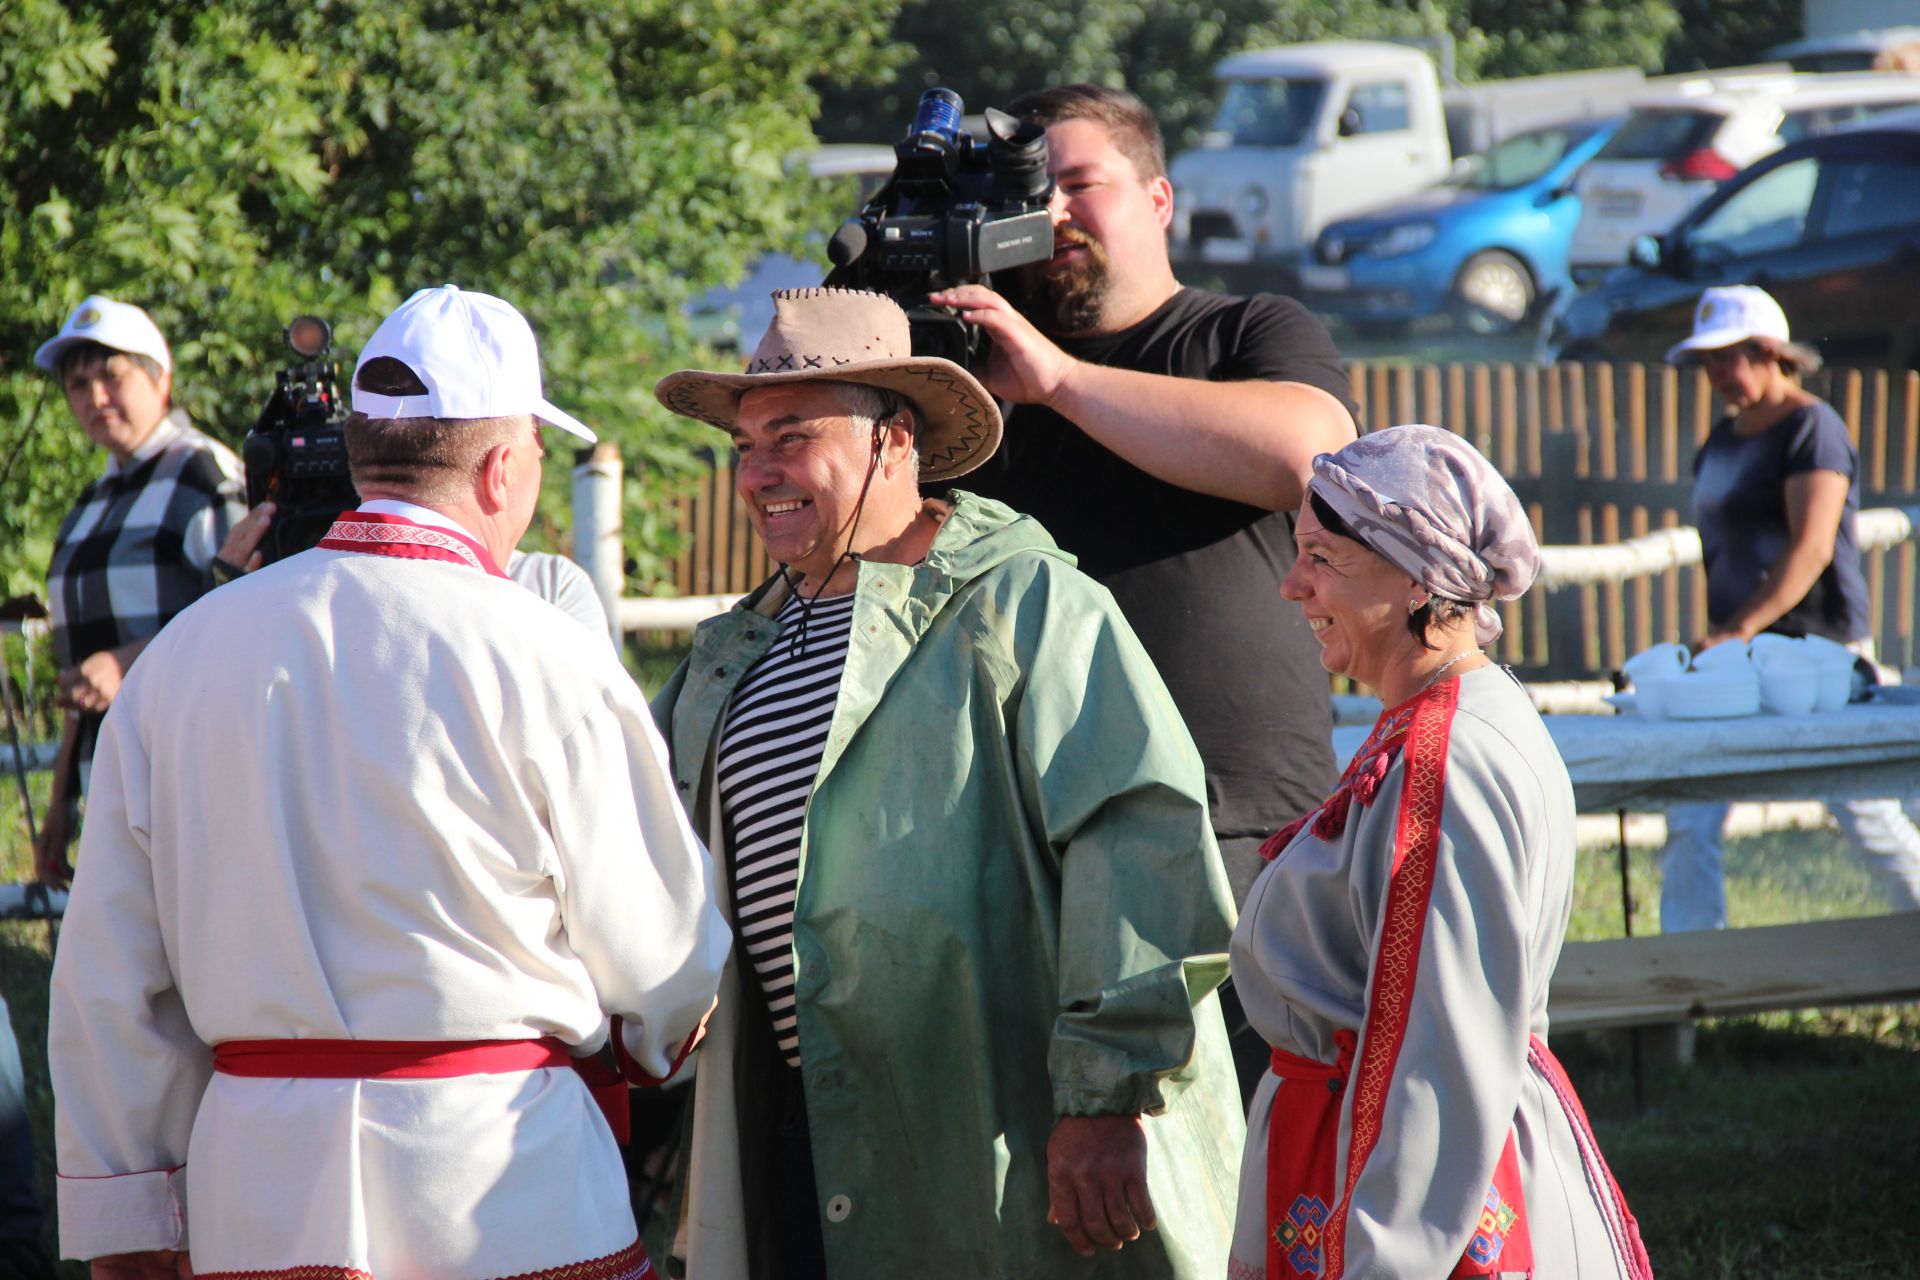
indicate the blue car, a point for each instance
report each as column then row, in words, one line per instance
column 1486, row 245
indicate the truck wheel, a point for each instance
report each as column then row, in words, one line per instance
column 1493, row 293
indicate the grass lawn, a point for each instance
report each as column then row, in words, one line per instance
column 1790, row 1148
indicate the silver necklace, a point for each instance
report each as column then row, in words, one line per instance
column 1442, row 668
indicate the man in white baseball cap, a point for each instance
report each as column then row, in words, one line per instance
column 139, row 543
column 429, row 860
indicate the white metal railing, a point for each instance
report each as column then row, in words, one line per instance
column 1666, row 549
column 597, row 480
column 1561, row 566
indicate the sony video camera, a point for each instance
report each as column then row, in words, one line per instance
column 954, row 212
column 296, row 454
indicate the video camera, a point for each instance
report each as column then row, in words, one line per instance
column 296, row 454
column 954, row 212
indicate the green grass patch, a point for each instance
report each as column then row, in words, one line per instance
column 1777, row 877
column 1786, row 1150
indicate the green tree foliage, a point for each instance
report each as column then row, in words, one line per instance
column 1164, row 50
column 1713, row 33
column 230, row 163
column 1500, row 38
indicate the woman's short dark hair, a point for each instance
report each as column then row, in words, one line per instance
column 1437, row 611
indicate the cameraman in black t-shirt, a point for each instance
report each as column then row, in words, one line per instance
column 1165, row 435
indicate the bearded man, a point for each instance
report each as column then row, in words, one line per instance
column 1189, row 421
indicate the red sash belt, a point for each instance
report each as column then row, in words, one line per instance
column 422, row 1060
column 1301, row 1139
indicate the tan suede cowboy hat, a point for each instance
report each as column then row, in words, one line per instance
column 849, row 335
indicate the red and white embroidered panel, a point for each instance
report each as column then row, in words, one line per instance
column 630, row 1263
column 354, row 531
column 1416, row 848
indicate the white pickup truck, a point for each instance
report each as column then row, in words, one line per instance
column 1309, row 133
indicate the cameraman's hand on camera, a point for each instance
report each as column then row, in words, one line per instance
column 1025, row 366
column 241, row 550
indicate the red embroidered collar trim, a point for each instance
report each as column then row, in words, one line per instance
column 386, row 535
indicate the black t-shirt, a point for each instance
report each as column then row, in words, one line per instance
column 1740, row 508
column 1197, row 576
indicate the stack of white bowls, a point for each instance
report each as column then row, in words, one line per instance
column 1723, row 683
column 1786, row 676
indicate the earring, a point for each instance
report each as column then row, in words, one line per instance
column 1415, row 606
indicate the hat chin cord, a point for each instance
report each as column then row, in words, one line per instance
column 853, row 531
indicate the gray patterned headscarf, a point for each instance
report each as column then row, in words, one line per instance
column 1430, row 503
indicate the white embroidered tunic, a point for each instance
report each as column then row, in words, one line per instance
column 1444, row 1001
column 360, row 796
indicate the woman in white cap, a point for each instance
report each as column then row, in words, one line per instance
column 1776, row 491
column 1397, row 951
column 139, row 543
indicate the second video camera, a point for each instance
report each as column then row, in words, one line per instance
column 296, row 453
column 954, row 212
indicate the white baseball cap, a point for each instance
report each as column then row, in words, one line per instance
column 474, row 352
column 1732, row 314
column 119, row 325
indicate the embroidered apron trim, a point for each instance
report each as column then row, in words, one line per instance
column 384, row 535
column 630, row 1263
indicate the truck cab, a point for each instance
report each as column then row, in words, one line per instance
column 1306, row 134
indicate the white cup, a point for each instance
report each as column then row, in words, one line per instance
column 1728, row 655
column 1661, row 662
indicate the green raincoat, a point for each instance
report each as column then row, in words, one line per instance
column 1010, row 909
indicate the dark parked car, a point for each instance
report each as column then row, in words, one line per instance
column 1829, row 226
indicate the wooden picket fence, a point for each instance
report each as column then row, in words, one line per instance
column 1598, row 453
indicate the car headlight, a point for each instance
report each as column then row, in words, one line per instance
column 1253, row 201
column 1404, row 238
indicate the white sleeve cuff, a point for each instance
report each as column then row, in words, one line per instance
column 123, row 1214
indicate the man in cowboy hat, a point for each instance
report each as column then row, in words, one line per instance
column 969, row 1028
column 325, row 979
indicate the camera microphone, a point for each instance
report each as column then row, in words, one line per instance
column 848, row 243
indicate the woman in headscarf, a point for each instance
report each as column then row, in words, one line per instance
column 1396, row 952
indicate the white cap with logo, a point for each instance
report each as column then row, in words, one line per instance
column 1735, row 313
column 475, row 354
column 119, row 325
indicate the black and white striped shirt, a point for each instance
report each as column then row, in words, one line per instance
column 770, row 751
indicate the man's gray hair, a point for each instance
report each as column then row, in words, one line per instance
column 866, row 407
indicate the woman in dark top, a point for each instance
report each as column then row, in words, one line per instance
column 1776, row 490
